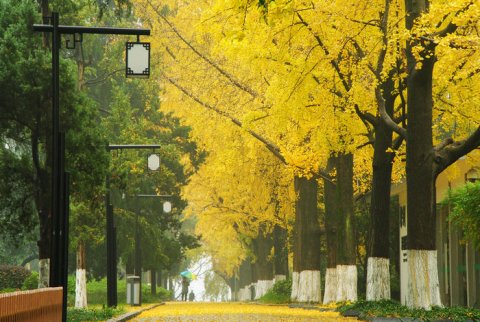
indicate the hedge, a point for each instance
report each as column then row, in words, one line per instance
column 12, row 276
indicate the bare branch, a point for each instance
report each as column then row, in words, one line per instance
column 385, row 117
column 384, row 28
column 365, row 116
column 103, row 78
column 449, row 151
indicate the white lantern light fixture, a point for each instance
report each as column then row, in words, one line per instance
column 153, row 162
column 167, row 207
column 138, row 59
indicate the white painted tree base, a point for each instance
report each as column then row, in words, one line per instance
column 263, row 286
column 279, row 278
column 81, row 288
column 294, row 294
column 378, row 279
column 346, row 283
column 247, row 293
column 423, row 289
column 330, row 286
column 43, row 273
column 242, row 294
column 308, row 287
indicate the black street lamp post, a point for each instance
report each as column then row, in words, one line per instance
column 59, row 190
column 167, row 207
column 111, row 229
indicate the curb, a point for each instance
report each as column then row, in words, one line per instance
column 310, row 307
column 130, row 315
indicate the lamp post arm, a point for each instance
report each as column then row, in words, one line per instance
column 93, row 30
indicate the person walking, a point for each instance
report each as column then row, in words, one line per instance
column 185, row 284
column 191, row 296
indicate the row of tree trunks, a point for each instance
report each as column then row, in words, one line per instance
column 255, row 277
column 306, row 283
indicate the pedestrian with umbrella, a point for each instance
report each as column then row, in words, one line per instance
column 186, row 277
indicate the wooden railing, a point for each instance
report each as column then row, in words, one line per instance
column 42, row 305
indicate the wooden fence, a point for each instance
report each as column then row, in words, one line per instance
column 42, row 305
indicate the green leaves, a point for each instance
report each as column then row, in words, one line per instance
column 389, row 308
column 17, row 210
column 465, row 210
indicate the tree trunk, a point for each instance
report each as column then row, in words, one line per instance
column 420, row 171
column 153, row 281
column 378, row 263
column 159, row 278
column 423, row 286
column 280, row 253
column 129, row 265
column 42, row 203
column 42, row 175
column 306, row 285
column 262, row 246
column 331, row 211
column 346, row 254
column 81, row 277
column 245, row 281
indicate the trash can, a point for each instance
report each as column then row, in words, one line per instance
column 133, row 290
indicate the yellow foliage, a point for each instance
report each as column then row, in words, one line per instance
column 269, row 68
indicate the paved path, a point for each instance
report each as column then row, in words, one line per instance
column 234, row 312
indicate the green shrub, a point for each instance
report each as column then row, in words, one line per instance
column 279, row 293
column 71, row 290
column 8, row 290
column 97, row 292
column 78, row 315
column 389, row 308
column 12, row 276
column 31, row 282
column 464, row 204
column 162, row 294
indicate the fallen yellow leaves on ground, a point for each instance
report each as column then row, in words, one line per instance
column 190, row 311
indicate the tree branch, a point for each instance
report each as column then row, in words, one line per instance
column 269, row 145
column 385, row 117
column 227, row 75
column 451, row 27
column 365, row 116
column 101, row 79
column 449, row 151
column 333, row 62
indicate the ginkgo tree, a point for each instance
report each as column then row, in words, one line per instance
column 283, row 114
column 293, row 75
column 225, row 193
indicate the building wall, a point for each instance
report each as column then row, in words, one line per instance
column 458, row 261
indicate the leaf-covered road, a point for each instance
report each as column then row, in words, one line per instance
column 235, row 312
